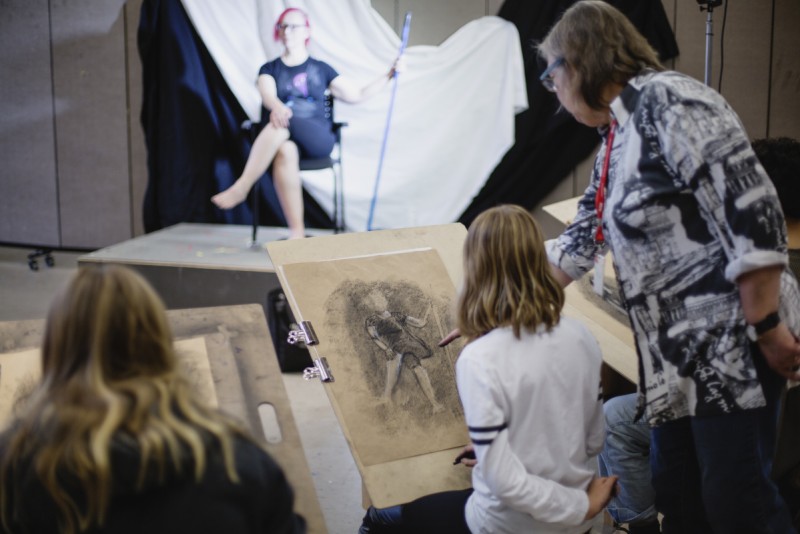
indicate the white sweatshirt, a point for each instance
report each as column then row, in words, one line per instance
column 534, row 409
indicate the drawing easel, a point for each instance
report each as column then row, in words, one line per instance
column 244, row 371
column 404, row 479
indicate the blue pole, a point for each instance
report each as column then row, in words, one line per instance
column 403, row 43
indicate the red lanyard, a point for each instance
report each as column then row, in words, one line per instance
column 600, row 196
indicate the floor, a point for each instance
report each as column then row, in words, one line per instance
column 26, row 294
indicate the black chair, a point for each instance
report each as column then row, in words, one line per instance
column 332, row 161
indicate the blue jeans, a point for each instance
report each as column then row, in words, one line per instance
column 626, row 454
column 712, row 473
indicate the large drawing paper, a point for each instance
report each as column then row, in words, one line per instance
column 378, row 319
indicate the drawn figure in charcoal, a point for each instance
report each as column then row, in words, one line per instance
column 402, row 347
column 398, row 324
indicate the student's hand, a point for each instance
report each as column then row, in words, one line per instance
column 449, row 338
column 467, row 456
column 279, row 117
column 600, row 491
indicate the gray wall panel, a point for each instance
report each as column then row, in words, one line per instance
column 433, row 21
column 784, row 117
column 745, row 78
column 745, row 82
column 138, row 151
column 28, row 192
column 388, row 10
column 493, row 6
column 90, row 85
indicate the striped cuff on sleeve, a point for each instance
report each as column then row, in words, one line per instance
column 484, row 435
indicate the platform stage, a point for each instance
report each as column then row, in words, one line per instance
column 198, row 265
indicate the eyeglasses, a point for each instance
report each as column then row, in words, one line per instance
column 546, row 79
column 285, row 27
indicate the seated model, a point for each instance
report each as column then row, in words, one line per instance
column 292, row 89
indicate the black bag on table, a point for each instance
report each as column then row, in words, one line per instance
column 291, row 358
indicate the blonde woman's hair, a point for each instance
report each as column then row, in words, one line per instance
column 600, row 46
column 507, row 278
column 110, row 378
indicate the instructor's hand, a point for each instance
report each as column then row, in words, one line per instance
column 781, row 349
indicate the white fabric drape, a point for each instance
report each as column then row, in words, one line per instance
column 453, row 118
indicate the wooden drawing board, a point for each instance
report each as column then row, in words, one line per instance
column 244, row 372
column 21, row 372
column 613, row 334
column 401, row 478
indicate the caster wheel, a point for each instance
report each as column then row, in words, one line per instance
column 33, row 264
column 49, row 260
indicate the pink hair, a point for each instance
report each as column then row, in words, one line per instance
column 286, row 11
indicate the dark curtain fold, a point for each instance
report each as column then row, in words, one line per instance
column 550, row 143
column 191, row 122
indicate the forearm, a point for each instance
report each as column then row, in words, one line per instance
column 344, row 89
column 573, row 253
column 543, row 499
column 759, row 291
column 381, row 345
column 760, row 295
column 375, row 86
column 561, row 277
column 269, row 92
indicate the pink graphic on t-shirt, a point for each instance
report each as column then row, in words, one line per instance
column 300, row 82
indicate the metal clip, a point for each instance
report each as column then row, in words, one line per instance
column 320, row 370
column 305, row 335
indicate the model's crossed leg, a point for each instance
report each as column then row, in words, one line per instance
column 272, row 145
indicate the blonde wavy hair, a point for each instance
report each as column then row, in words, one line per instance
column 110, row 376
column 507, row 278
column 600, row 46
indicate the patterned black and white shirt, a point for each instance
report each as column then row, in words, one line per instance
column 689, row 209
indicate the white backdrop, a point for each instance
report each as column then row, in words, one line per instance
column 453, row 117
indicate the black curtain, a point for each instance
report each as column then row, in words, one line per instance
column 550, row 143
column 191, row 122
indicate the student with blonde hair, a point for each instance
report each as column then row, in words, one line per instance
column 115, row 439
column 529, row 382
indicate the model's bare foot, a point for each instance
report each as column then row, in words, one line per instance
column 230, row 198
column 296, row 235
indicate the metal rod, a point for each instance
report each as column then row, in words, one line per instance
column 403, row 43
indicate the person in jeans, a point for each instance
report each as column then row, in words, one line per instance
column 626, row 452
column 698, row 240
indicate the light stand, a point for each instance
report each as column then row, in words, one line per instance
column 709, row 6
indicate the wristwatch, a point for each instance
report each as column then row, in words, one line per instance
column 755, row 331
